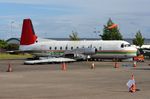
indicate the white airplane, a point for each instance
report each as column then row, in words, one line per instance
column 66, row 51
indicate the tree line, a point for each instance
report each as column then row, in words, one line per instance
column 111, row 32
column 4, row 46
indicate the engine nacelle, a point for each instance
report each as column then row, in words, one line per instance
column 80, row 53
column 85, row 51
column 88, row 51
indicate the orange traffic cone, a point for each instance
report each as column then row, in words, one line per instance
column 9, row 68
column 93, row 66
column 133, row 88
column 134, row 64
column 132, row 85
column 116, row 65
column 132, row 77
column 64, row 66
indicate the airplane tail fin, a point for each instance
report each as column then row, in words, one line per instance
column 28, row 36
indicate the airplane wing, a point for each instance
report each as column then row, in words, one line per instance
column 49, row 60
column 25, row 51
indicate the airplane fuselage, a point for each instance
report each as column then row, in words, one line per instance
column 96, row 49
column 84, row 49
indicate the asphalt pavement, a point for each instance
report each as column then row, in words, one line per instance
column 78, row 81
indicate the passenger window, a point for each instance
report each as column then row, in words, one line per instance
column 100, row 48
column 95, row 49
column 71, row 48
column 122, row 45
column 55, row 48
column 66, row 47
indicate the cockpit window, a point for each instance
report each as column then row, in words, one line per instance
column 125, row 45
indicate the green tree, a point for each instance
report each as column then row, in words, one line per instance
column 111, row 33
column 139, row 40
column 3, row 44
column 12, row 47
column 74, row 36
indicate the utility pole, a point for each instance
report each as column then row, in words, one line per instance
column 11, row 26
column 96, row 32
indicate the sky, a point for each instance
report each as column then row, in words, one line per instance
column 58, row 18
